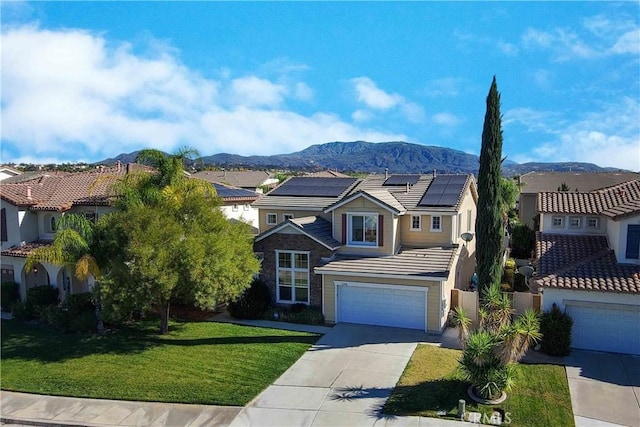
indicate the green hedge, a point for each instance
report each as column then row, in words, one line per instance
column 10, row 294
column 556, row 332
column 252, row 303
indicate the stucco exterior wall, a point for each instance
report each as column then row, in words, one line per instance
column 546, row 224
column 363, row 206
column 557, row 296
column 426, row 237
column 262, row 216
column 434, row 317
column 617, row 235
column 528, row 208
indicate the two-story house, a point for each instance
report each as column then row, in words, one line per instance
column 588, row 263
column 383, row 250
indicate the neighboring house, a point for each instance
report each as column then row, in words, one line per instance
column 249, row 180
column 533, row 183
column 236, row 204
column 31, row 208
column 328, row 174
column 588, row 263
column 8, row 172
column 383, row 250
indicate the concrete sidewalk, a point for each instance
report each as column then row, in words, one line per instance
column 34, row 409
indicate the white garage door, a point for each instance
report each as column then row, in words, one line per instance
column 605, row 327
column 401, row 307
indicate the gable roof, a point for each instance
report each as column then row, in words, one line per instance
column 536, row 182
column 583, row 263
column 411, row 263
column 615, row 202
column 327, row 174
column 382, row 198
column 314, row 227
column 305, row 201
column 242, row 179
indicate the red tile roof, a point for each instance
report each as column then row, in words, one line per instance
column 23, row 251
column 614, row 202
column 583, row 263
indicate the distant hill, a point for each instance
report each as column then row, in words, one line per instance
column 369, row 157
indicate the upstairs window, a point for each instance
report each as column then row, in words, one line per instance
column 575, row 222
column 593, row 223
column 436, row 223
column 235, row 208
column 272, row 219
column 557, row 222
column 363, row 230
column 416, row 223
column 247, row 207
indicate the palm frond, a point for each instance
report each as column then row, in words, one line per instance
column 87, row 266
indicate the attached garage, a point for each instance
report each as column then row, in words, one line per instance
column 605, row 327
column 383, row 305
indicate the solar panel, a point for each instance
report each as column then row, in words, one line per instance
column 313, row 187
column 224, row 191
column 444, row 191
column 401, row 180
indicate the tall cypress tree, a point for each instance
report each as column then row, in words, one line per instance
column 489, row 228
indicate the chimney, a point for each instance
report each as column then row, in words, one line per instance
column 386, row 173
column 434, row 173
column 28, row 192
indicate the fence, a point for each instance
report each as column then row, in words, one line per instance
column 520, row 301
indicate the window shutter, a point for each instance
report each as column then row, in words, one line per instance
column 344, row 229
column 380, row 230
column 3, row 220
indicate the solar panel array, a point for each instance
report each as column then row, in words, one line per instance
column 444, row 191
column 224, row 191
column 401, row 180
column 313, row 187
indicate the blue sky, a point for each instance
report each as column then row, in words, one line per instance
column 82, row 81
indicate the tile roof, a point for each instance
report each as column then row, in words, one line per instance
column 434, row 262
column 582, row 263
column 229, row 193
column 315, row 227
column 536, row 182
column 61, row 192
column 23, row 251
column 242, row 179
column 301, row 202
column 327, row 174
column 28, row 176
column 615, row 201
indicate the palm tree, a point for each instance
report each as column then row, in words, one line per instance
column 490, row 354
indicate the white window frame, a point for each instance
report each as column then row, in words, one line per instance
column 274, row 216
column 350, row 241
column 235, row 208
column 293, row 270
column 433, row 220
column 419, row 227
column 560, row 219
column 287, row 216
column 572, row 219
column 597, row 223
column 246, row 207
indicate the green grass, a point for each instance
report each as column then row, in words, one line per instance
column 431, row 383
column 197, row 362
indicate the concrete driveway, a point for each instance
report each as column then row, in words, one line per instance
column 605, row 388
column 344, row 379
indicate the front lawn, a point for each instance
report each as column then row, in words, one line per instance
column 197, row 362
column 430, row 383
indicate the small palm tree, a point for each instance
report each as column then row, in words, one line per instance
column 489, row 354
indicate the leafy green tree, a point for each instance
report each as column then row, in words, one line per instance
column 509, row 192
column 169, row 239
column 489, row 225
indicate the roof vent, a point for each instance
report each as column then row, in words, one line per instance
column 386, row 173
column 434, row 173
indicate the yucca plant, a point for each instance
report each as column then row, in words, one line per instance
column 461, row 319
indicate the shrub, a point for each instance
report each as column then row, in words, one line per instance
column 80, row 303
column 42, row 295
column 306, row 316
column 556, row 329
column 252, row 303
column 523, row 241
column 9, row 294
column 22, row 310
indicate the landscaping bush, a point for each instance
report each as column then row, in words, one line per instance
column 556, row 329
column 82, row 322
column 42, row 295
column 509, row 273
column 306, row 316
column 80, row 303
column 252, row 303
column 22, row 310
column 9, row 294
column 523, row 241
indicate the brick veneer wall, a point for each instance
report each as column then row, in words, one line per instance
column 292, row 242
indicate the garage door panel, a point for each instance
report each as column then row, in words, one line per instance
column 384, row 306
column 605, row 327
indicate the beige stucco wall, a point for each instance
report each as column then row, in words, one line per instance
column 280, row 212
column 528, row 208
column 425, row 237
column 365, row 206
column 434, row 316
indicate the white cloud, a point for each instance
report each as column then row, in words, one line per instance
column 629, row 42
column 445, row 87
column 447, row 119
column 508, row 49
column 608, row 137
column 362, row 116
column 373, row 97
column 72, row 94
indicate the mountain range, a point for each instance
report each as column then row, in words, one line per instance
column 369, row 157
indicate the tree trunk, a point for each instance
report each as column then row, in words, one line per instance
column 164, row 319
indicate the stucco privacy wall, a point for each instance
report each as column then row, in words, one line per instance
column 292, row 240
column 434, row 324
column 362, row 205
